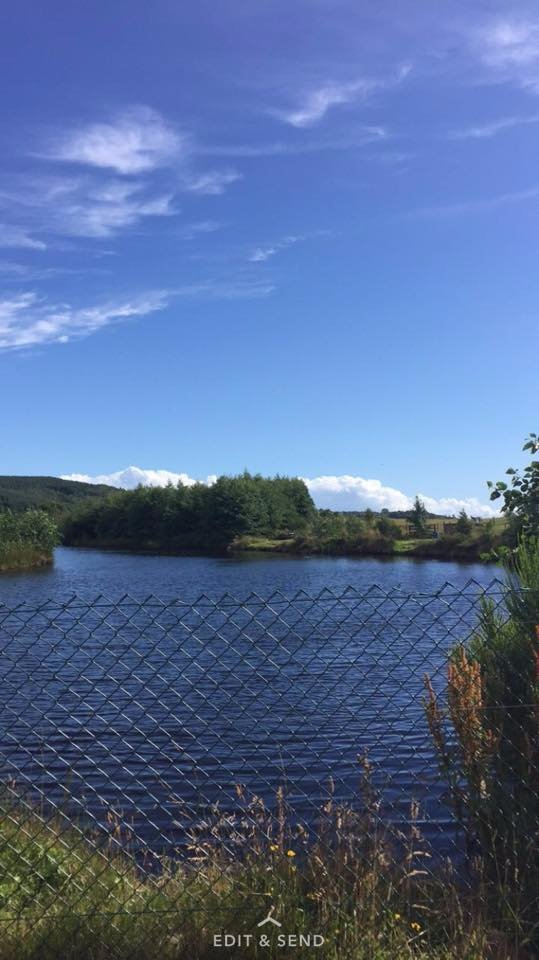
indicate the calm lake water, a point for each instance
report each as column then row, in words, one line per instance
column 92, row 572
column 158, row 709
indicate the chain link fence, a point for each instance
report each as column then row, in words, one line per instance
column 195, row 767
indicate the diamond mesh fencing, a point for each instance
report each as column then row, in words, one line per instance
column 201, row 768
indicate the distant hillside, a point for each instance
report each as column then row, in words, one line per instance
column 47, row 493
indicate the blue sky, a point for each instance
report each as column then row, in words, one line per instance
column 289, row 237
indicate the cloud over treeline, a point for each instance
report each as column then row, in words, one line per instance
column 344, row 492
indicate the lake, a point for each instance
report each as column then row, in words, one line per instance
column 89, row 572
column 157, row 709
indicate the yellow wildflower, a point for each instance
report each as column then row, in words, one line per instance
column 273, row 847
column 290, row 853
column 396, row 916
column 416, row 927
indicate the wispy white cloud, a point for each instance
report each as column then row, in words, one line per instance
column 27, row 320
column 363, row 136
column 201, row 227
column 261, row 254
column 139, row 141
column 487, row 130
column 510, row 47
column 102, row 210
column 235, row 288
column 478, row 206
column 332, row 492
column 131, row 167
column 84, row 206
column 12, row 268
column 316, row 102
column 14, row 271
column 397, row 160
column 210, row 182
column 134, row 141
column 12, row 237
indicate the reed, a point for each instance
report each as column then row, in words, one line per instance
column 370, row 891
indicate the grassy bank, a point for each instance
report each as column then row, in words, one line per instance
column 63, row 897
column 22, row 557
column 472, row 549
column 26, row 539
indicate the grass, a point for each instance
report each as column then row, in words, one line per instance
column 19, row 556
column 406, row 546
column 269, row 545
column 65, row 896
column 263, row 544
column 473, row 547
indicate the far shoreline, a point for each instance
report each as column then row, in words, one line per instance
column 278, row 551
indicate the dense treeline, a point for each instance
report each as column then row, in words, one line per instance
column 26, row 539
column 197, row 517
column 254, row 512
column 51, row 494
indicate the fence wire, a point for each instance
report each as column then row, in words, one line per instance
column 150, row 745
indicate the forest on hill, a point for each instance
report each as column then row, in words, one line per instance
column 51, row 494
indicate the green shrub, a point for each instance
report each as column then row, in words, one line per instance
column 26, row 538
column 491, row 762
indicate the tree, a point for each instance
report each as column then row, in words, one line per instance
column 368, row 517
column 355, row 528
column 464, row 524
column 388, row 528
column 198, row 517
column 521, row 499
column 30, row 528
column 418, row 517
